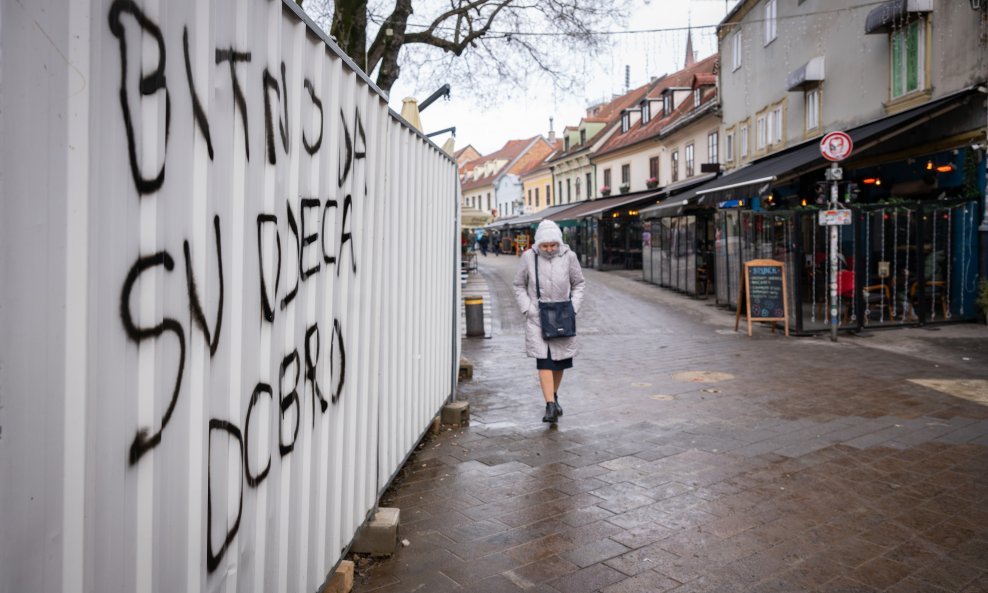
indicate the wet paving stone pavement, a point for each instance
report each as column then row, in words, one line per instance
column 695, row 459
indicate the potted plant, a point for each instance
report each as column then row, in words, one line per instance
column 651, row 183
column 625, row 188
column 605, row 191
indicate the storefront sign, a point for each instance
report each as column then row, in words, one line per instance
column 762, row 295
column 835, row 217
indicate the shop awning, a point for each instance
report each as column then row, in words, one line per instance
column 685, row 184
column 756, row 178
column 808, row 73
column 527, row 220
column 471, row 218
column 894, row 13
column 673, row 206
column 592, row 207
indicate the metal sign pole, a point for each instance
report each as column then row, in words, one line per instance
column 833, row 254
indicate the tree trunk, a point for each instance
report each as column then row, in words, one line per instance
column 350, row 29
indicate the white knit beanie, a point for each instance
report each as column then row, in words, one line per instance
column 548, row 232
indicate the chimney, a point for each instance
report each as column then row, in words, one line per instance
column 552, row 133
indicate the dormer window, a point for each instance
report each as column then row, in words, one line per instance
column 645, row 113
column 625, row 122
column 566, row 143
column 583, row 136
column 667, row 104
column 697, row 97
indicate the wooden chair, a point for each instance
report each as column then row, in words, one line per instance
column 934, row 288
column 877, row 294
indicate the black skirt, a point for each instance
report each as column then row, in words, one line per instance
column 548, row 364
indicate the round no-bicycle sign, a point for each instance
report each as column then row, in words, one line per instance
column 836, row 146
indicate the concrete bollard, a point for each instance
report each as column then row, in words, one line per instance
column 379, row 535
column 475, row 315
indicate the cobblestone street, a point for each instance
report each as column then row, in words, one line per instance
column 695, row 459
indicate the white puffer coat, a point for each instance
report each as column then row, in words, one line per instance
column 560, row 278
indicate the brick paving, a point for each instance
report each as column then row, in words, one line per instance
column 693, row 459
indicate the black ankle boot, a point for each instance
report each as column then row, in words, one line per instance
column 551, row 413
column 559, row 408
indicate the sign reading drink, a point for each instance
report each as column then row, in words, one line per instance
column 763, row 295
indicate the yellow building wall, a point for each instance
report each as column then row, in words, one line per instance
column 541, row 181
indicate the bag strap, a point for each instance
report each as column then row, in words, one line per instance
column 538, row 293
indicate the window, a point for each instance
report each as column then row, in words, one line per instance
column 697, row 97
column 674, row 165
column 646, row 115
column 712, row 148
column 625, row 122
column 812, row 109
column 569, row 190
column 625, row 174
column 559, row 194
column 666, row 104
column 536, row 197
column 583, row 136
column 530, row 198
column 589, row 186
column 488, row 200
column 607, row 178
column 653, row 168
column 736, row 50
column 773, row 127
column 729, row 146
column 908, row 58
column 770, row 14
column 743, row 142
column 548, row 195
column 689, row 160
column 761, row 132
column 577, row 183
column 566, row 143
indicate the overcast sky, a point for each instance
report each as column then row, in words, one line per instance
column 488, row 125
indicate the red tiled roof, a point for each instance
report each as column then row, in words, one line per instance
column 543, row 162
column 508, row 153
column 704, row 79
column 608, row 113
column 681, row 79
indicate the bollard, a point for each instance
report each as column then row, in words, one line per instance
column 475, row 315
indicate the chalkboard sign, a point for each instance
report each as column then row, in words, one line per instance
column 763, row 295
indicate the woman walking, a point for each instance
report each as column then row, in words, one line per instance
column 550, row 272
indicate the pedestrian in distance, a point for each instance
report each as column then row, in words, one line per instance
column 484, row 242
column 559, row 279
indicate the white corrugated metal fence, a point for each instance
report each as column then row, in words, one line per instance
column 229, row 289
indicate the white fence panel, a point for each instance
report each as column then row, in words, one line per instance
column 229, row 297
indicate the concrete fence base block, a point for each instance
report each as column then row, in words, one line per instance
column 456, row 413
column 437, row 425
column 342, row 579
column 379, row 535
column 466, row 369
